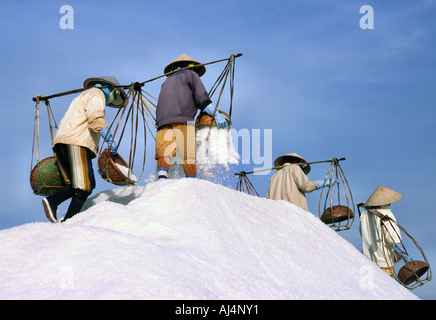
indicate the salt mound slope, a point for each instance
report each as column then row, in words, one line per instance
column 187, row 239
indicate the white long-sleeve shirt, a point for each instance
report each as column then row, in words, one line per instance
column 375, row 246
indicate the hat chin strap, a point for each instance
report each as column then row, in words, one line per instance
column 109, row 93
column 111, row 97
column 181, row 65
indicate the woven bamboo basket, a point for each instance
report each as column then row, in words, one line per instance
column 205, row 120
column 46, row 177
column 340, row 213
column 412, row 271
column 110, row 171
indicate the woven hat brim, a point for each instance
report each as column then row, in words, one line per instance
column 200, row 70
column 293, row 156
column 108, row 81
column 383, row 196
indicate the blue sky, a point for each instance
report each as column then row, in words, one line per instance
column 321, row 84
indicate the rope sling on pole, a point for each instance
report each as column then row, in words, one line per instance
column 245, row 184
column 337, row 216
column 334, row 213
column 46, row 177
column 206, row 120
column 110, row 166
column 413, row 273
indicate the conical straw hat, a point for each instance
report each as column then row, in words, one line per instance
column 291, row 157
column 121, row 99
column 383, row 196
column 184, row 58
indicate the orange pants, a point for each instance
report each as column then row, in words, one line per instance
column 176, row 137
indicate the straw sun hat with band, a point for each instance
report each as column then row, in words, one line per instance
column 292, row 158
column 382, row 196
column 185, row 61
column 118, row 96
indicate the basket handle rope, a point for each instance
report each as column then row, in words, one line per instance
column 335, row 170
column 139, row 108
column 36, row 136
column 229, row 69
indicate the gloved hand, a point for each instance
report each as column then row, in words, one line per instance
column 328, row 183
column 108, row 138
column 220, row 119
column 401, row 252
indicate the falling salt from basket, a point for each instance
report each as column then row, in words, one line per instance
column 215, row 153
column 127, row 172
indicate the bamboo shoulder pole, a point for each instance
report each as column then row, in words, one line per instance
column 279, row 167
column 136, row 85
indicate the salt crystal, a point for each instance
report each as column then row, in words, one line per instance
column 127, row 172
column 215, row 153
column 215, row 156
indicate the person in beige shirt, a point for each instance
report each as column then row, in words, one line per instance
column 291, row 183
column 76, row 143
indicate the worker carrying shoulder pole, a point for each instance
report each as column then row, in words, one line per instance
column 76, row 142
column 376, row 247
column 291, row 183
column 182, row 95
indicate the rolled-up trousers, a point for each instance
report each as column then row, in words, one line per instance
column 176, row 138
